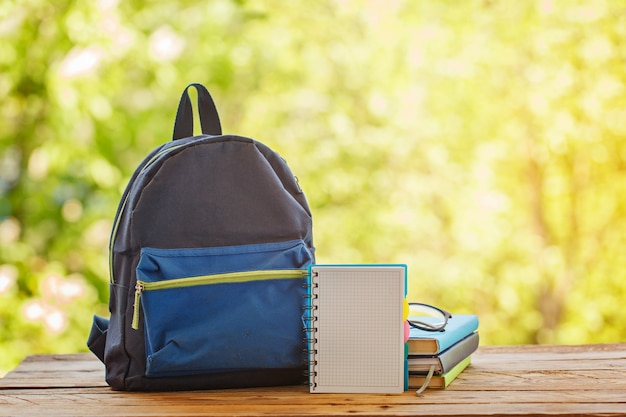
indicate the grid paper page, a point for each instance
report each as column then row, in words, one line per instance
column 360, row 346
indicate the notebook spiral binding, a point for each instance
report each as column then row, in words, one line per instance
column 310, row 330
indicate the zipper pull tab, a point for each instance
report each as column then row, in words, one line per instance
column 138, row 289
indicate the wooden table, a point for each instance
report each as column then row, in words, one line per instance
column 515, row 380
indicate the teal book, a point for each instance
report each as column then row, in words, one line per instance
column 422, row 342
column 446, row 360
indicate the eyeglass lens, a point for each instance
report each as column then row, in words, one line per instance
column 426, row 317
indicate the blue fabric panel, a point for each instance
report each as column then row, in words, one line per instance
column 221, row 327
column 164, row 264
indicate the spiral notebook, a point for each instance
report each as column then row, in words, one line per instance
column 356, row 334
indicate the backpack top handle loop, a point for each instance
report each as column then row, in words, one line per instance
column 209, row 119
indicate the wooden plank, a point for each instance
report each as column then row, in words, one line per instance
column 538, row 359
column 517, row 372
column 87, row 371
column 143, row 404
column 561, row 349
column 352, row 410
column 472, row 379
column 549, row 356
column 302, row 397
column 211, row 403
column 73, row 370
column 530, row 364
column 57, row 363
column 518, row 380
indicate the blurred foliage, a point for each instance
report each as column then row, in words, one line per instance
column 479, row 142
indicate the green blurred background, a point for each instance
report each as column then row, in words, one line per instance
column 479, row 142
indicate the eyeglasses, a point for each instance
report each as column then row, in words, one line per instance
column 427, row 317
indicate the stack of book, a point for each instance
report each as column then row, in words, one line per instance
column 444, row 354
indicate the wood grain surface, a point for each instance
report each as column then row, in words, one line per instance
column 533, row 380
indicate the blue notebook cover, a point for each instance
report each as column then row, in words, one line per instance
column 422, row 342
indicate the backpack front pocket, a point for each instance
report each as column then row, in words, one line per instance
column 222, row 309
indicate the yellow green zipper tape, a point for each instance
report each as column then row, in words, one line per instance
column 226, row 278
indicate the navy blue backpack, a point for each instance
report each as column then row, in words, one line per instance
column 209, row 255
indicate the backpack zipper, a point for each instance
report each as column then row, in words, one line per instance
column 226, row 278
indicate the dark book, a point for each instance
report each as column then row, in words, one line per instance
column 447, row 359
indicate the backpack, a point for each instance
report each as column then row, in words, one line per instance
column 208, row 259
